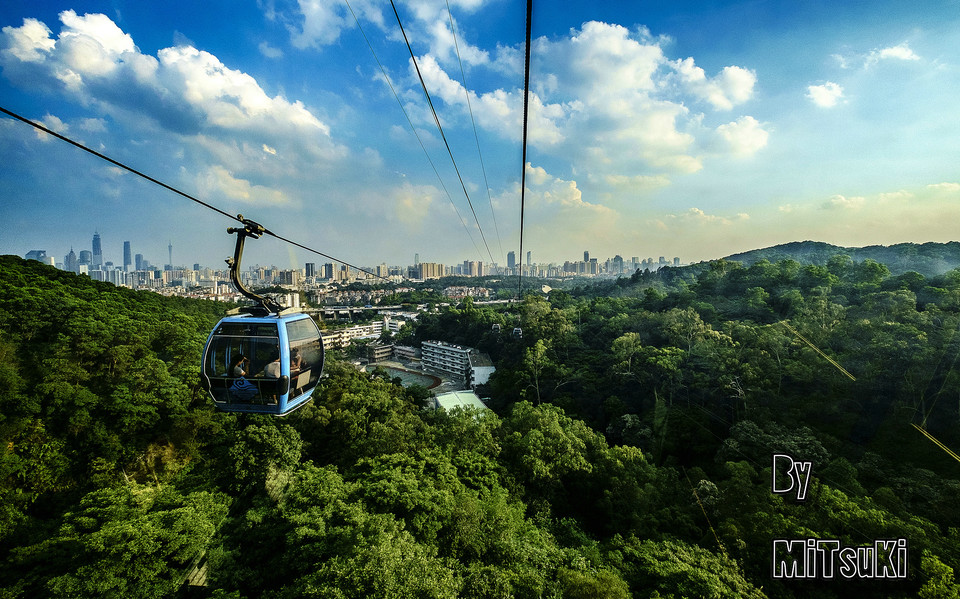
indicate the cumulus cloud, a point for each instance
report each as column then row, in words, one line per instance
column 625, row 105
column 185, row 88
column 637, row 183
column 411, row 204
column 184, row 91
column 29, row 43
column 556, row 204
column 745, row 136
column 901, row 52
column 218, row 182
column 321, row 24
column 606, row 97
column 945, row 187
column 840, row 202
column 696, row 216
column 53, row 123
column 733, row 86
column 548, row 192
column 826, row 95
column 499, row 110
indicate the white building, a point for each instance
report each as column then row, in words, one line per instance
column 446, row 358
column 464, row 363
column 458, row 399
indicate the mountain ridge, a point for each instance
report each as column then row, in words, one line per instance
column 929, row 258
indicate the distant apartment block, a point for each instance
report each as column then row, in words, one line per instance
column 456, row 361
column 377, row 352
column 342, row 337
column 406, row 352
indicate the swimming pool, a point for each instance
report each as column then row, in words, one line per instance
column 409, row 377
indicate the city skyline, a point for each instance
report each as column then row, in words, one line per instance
column 138, row 258
column 671, row 128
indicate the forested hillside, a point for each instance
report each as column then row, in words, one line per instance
column 629, row 453
column 929, row 259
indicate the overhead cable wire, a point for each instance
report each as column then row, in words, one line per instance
column 816, row 349
column 466, row 92
column 114, row 162
column 936, row 441
column 386, row 78
column 523, row 171
column 436, row 119
column 946, row 377
column 125, row 167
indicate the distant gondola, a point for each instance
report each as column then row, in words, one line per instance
column 261, row 359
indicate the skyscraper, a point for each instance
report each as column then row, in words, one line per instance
column 97, row 251
column 70, row 262
column 586, row 256
column 529, row 258
column 170, row 251
column 311, row 269
column 138, row 262
column 127, row 256
column 511, row 259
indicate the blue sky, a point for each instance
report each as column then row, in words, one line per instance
column 691, row 129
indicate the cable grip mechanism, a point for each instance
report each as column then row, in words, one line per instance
column 254, row 230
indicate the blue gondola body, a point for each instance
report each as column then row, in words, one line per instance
column 284, row 362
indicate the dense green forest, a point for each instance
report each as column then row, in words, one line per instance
column 928, row 259
column 628, row 454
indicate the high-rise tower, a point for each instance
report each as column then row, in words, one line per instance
column 170, row 253
column 127, row 256
column 70, row 262
column 97, row 251
column 511, row 259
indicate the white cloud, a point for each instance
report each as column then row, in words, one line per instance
column 218, row 182
column 322, row 23
column 697, row 217
column 900, row 52
column 896, row 196
column 547, row 192
column 826, row 95
column 946, row 187
column 733, row 86
column 54, row 124
column 411, row 204
column 28, row 43
column 269, row 51
column 499, row 110
column 445, row 46
column 868, row 59
column 839, row 202
column 745, row 136
column 93, row 125
column 185, row 102
column 637, row 183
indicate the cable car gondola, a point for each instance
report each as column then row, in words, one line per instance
column 261, row 359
